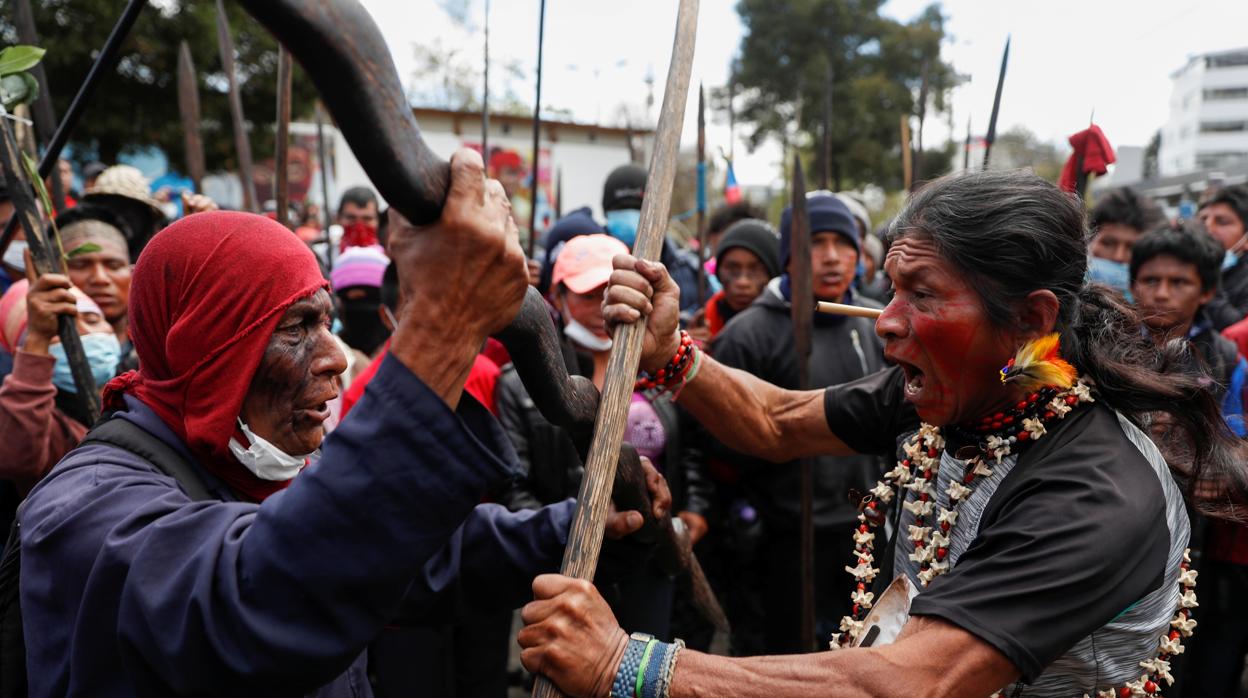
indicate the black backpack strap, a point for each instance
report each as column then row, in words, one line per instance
column 13, row 683
column 128, row 436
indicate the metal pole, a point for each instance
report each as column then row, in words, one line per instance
column 281, row 153
column 537, row 130
column 104, row 62
column 485, row 93
column 324, row 167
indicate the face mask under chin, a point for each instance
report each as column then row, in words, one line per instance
column 264, row 459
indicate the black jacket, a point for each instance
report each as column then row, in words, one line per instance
column 1231, row 304
column 550, row 468
column 759, row 340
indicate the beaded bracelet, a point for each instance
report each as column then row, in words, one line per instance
column 676, row 372
column 646, row 669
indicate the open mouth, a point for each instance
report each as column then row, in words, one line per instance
column 915, row 380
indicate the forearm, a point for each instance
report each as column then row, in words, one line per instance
column 755, row 417
column 909, row 667
column 839, row 674
column 441, row 358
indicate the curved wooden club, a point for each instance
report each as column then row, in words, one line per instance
column 359, row 85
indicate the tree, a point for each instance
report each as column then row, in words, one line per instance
column 1150, row 156
column 137, row 107
column 876, row 66
column 1019, row 148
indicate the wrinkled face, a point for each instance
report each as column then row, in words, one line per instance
column 1222, row 223
column 936, row 329
column 287, row 401
column 744, row 277
column 104, row 276
column 1168, row 293
column 586, row 308
column 833, row 263
column 1114, row 242
column 350, row 214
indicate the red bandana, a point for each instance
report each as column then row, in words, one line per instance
column 206, row 295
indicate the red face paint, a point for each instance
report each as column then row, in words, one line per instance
column 936, row 329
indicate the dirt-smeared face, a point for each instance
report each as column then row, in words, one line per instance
column 287, row 401
column 937, row 330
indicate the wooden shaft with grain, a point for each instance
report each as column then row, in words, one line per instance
column 580, row 557
column 850, row 310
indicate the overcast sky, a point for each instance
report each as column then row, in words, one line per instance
column 1068, row 57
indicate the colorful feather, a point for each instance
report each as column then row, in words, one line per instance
column 1039, row 364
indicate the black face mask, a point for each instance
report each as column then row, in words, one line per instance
column 362, row 328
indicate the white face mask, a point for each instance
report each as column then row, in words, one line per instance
column 14, row 256
column 582, row 335
column 266, row 461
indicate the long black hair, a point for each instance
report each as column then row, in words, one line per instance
column 1012, row 233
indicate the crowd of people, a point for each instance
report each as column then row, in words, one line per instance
column 318, row 473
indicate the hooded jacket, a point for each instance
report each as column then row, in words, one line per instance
column 759, row 340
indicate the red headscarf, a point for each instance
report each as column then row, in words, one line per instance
column 205, row 297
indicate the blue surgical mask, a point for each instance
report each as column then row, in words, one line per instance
column 1116, row 275
column 103, row 354
column 622, row 225
column 1229, row 260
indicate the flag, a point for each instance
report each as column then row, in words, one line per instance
column 732, row 191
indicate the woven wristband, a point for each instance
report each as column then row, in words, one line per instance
column 630, row 665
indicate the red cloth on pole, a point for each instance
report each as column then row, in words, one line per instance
column 1097, row 154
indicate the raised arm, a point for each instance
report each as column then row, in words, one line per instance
column 746, row 413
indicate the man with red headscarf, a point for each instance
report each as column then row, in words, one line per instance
column 130, row 587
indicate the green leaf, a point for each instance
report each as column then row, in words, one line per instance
column 17, row 59
column 32, row 171
column 85, row 248
column 13, row 91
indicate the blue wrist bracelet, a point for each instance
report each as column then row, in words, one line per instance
column 626, row 676
column 654, row 671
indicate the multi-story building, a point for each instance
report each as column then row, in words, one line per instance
column 1208, row 124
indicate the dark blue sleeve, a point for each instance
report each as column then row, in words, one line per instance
column 215, row 597
column 490, row 563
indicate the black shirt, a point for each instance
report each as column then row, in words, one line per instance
column 1065, row 559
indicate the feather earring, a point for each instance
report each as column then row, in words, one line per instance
column 1038, row 364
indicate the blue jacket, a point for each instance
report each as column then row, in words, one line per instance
column 129, row 588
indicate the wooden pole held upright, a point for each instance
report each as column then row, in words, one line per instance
column 580, row 557
column 281, row 152
column 242, row 146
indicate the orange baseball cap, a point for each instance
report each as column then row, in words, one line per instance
column 584, row 263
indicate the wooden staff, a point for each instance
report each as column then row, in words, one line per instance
column 323, row 166
column 188, row 109
column 105, row 61
column 907, row 172
column 803, row 327
column 850, row 310
column 701, row 197
column 242, row 146
column 48, row 257
column 281, row 152
column 917, row 170
column 580, row 558
column 41, row 109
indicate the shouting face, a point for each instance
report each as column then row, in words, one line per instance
column 936, row 329
column 287, row 402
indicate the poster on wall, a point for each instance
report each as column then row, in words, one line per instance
column 514, row 170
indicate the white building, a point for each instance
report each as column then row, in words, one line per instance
column 582, row 154
column 1208, row 124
